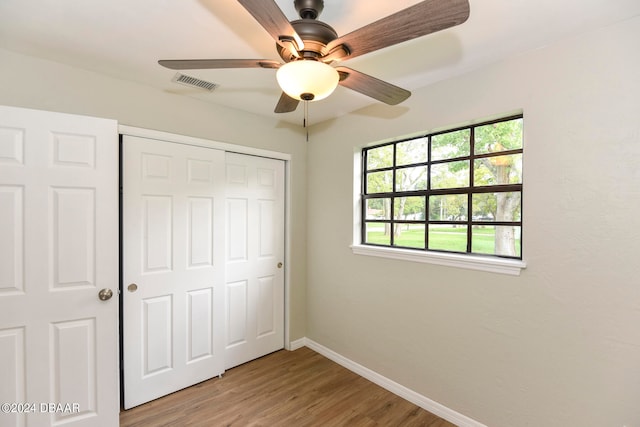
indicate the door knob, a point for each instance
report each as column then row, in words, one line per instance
column 279, row 265
column 105, row 294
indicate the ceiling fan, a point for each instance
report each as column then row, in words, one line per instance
column 310, row 48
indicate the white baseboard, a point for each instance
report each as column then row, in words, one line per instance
column 294, row 345
column 392, row 386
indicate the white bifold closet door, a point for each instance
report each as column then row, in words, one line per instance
column 173, row 258
column 58, row 251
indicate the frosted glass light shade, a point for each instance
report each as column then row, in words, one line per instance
column 298, row 78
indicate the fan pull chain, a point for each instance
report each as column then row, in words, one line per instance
column 305, row 121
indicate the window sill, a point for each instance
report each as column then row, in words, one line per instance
column 471, row 262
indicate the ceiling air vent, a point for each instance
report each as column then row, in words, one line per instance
column 194, row 82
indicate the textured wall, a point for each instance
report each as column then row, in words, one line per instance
column 558, row 345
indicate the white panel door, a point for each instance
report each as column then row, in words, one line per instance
column 173, row 246
column 58, row 249
column 254, row 257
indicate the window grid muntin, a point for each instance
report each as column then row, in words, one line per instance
column 469, row 191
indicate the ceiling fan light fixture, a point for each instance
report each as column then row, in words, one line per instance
column 307, row 80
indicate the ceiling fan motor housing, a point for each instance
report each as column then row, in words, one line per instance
column 315, row 35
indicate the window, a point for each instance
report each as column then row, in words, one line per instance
column 458, row 191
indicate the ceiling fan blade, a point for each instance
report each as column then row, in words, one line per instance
column 199, row 64
column 272, row 19
column 371, row 86
column 415, row 21
column 286, row 104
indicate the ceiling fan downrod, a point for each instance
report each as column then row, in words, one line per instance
column 309, row 9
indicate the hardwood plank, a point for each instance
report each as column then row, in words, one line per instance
column 300, row 388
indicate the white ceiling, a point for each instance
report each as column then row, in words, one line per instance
column 125, row 38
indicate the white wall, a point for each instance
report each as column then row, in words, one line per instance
column 35, row 83
column 560, row 344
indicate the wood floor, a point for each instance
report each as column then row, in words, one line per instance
column 299, row 388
